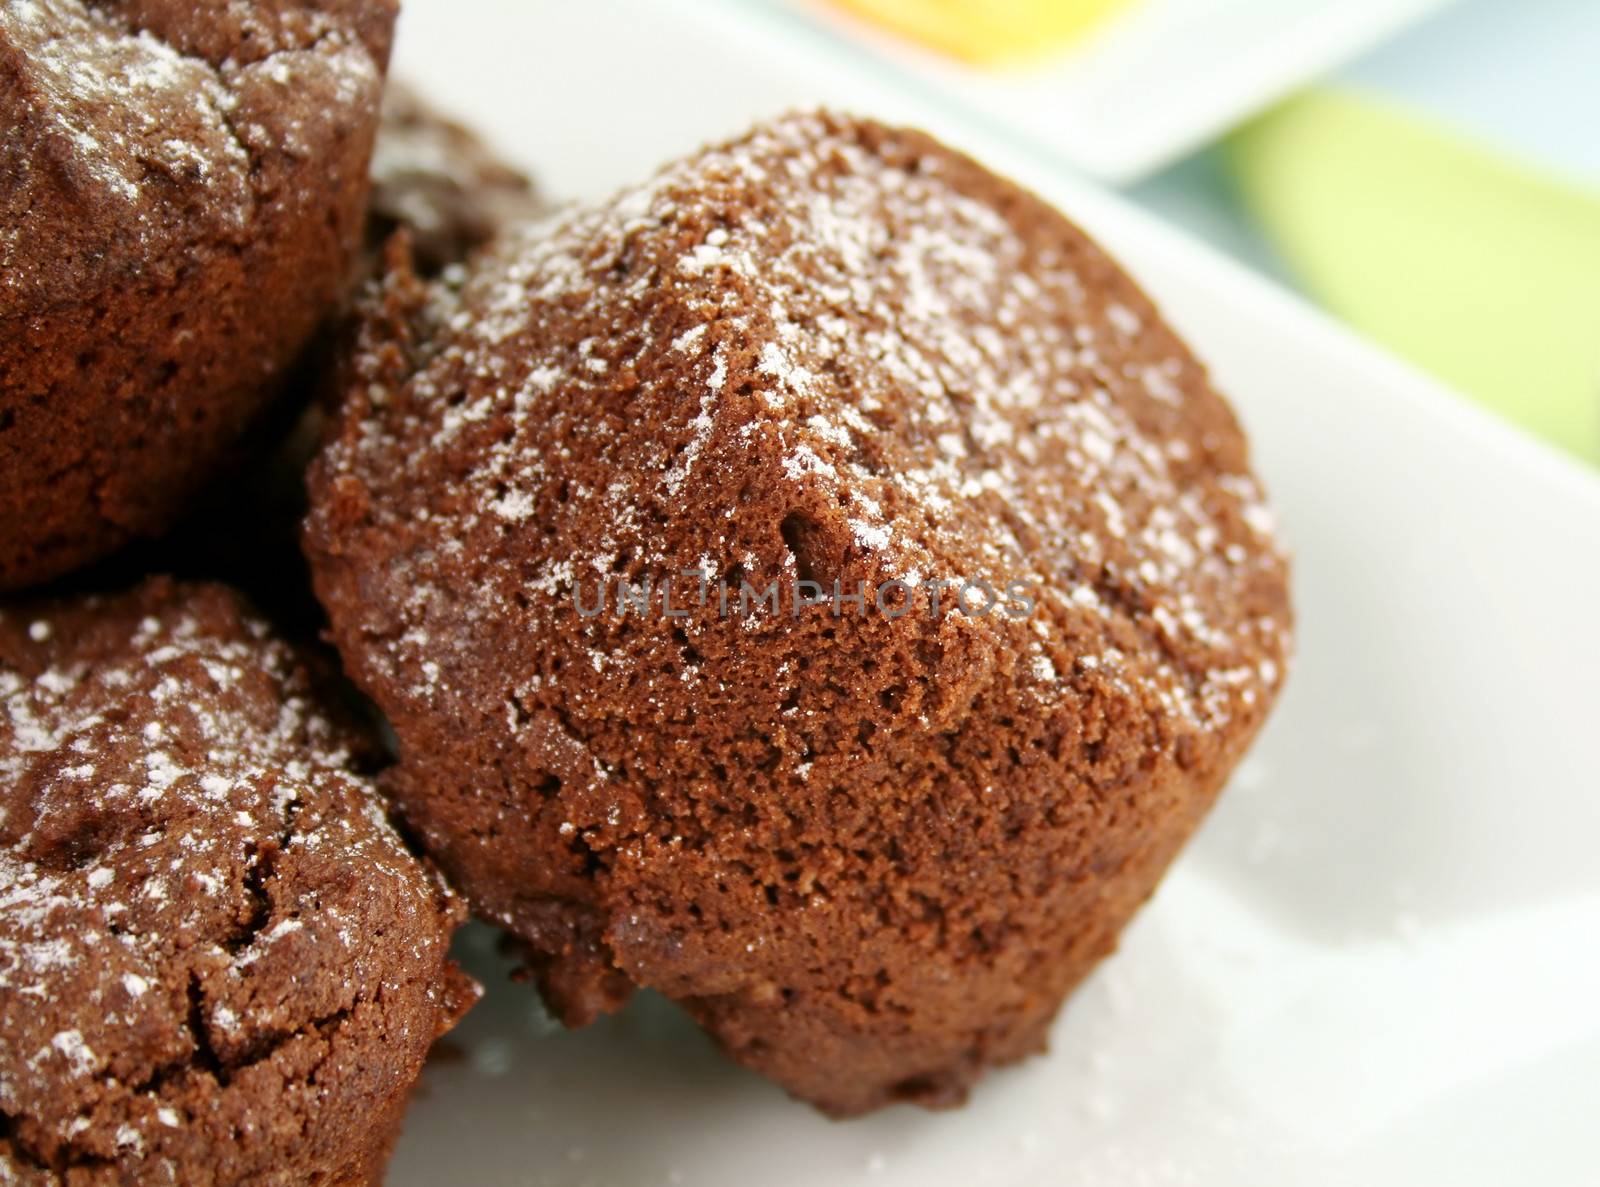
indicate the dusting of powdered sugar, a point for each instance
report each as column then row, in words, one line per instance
column 854, row 278
column 161, row 756
column 127, row 121
column 84, row 68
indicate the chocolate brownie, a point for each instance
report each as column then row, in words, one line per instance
column 218, row 962
column 439, row 180
column 181, row 188
column 869, row 844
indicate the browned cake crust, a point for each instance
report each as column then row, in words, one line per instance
column 438, row 180
column 181, row 185
column 218, row 963
column 869, row 853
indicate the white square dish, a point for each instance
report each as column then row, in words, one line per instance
column 1379, row 962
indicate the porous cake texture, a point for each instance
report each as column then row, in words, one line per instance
column 813, row 584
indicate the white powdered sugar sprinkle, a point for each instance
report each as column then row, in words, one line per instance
column 1047, row 436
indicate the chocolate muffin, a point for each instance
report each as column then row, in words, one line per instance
column 814, row 584
column 436, row 178
column 218, row 963
column 181, row 188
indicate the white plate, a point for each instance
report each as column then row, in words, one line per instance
column 1379, row 962
column 1152, row 83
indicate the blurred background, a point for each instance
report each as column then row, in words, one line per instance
column 1427, row 171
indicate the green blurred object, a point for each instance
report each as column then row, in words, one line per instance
column 1476, row 268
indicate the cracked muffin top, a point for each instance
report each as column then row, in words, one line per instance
column 218, row 961
column 139, row 125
